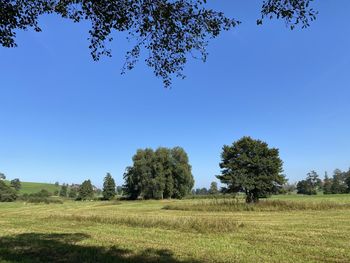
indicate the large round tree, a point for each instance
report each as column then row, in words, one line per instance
column 250, row 166
column 159, row 174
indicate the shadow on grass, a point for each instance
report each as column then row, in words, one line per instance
column 39, row 248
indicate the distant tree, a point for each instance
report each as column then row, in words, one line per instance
column 327, row 184
column 97, row 191
column 119, row 190
column 303, row 187
column 213, row 190
column 16, row 184
column 250, row 166
column 339, row 185
column 57, row 184
column 7, row 194
column 289, row 188
column 164, row 173
column 314, row 180
column 72, row 193
column 169, row 31
column 310, row 185
column 347, row 181
column 2, row 176
column 86, row 191
column 109, row 187
column 201, row 191
column 43, row 193
column 64, row 190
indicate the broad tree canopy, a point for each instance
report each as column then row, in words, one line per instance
column 250, row 166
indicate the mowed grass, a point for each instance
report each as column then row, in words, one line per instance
column 143, row 231
column 30, row 188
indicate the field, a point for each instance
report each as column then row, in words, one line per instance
column 285, row 229
column 30, row 188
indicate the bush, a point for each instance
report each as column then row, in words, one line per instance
column 7, row 194
column 40, row 197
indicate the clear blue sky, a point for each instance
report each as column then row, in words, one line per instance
column 66, row 118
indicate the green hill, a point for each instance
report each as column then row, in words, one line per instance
column 29, row 187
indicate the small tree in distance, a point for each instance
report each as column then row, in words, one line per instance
column 213, row 190
column 109, row 187
column 250, row 166
column 86, row 191
column 327, row 184
column 310, row 185
column 16, row 184
column 72, row 193
column 2, row 176
column 64, row 190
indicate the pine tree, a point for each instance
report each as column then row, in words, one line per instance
column 327, row 184
column 86, row 191
column 213, row 190
column 108, row 187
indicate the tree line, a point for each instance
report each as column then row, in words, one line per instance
column 248, row 166
column 339, row 183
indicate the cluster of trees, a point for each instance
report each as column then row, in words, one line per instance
column 86, row 191
column 9, row 193
column 249, row 166
column 213, row 190
column 158, row 174
column 338, row 184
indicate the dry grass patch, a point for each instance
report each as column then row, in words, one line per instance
column 201, row 224
column 233, row 205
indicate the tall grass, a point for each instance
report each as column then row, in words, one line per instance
column 180, row 223
column 232, row 205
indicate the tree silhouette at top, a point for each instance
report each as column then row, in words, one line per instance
column 169, row 30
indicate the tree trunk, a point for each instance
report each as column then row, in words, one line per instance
column 251, row 198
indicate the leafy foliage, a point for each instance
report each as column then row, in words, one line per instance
column 339, row 185
column 64, row 190
column 250, row 166
column 327, row 184
column 310, row 185
column 201, row 191
column 164, row 173
column 293, row 12
column 16, row 184
column 43, row 196
column 7, row 194
column 109, row 187
column 213, row 190
column 170, row 30
column 85, row 191
column 72, row 193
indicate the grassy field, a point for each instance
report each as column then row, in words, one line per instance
column 143, row 231
column 29, row 188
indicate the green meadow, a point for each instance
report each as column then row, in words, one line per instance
column 286, row 228
column 30, row 187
